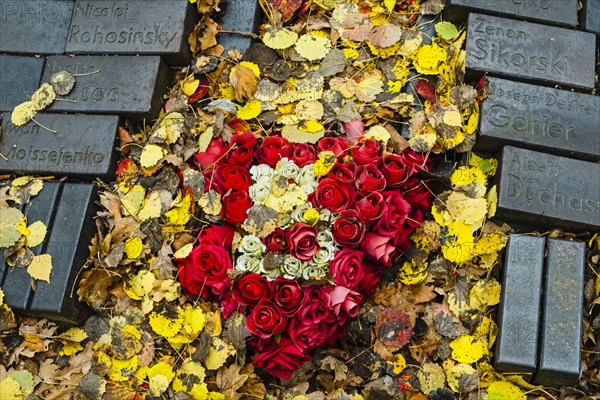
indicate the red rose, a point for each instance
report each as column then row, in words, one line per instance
column 251, row 289
column 214, row 151
column 317, row 305
column 378, row 248
column 369, row 179
column 338, row 145
column 370, row 206
column 271, row 150
column 228, row 305
column 220, row 235
column 368, row 285
column 266, row 320
column 281, row 359
column 235, row 206
column 302, row 241
column 394, row 213
column 204, row 270
column 332, row 195
column 227, row 177
column 276, row 241
column 241, row 149
column 288, row 295
column 412, row 222
column 418, row 195
column 301, row 153
column 346, row 268
column 345, row 303
column 367, row 152
column 397, row 168
column 343, row 172
column 348, row 229
column 307, row 335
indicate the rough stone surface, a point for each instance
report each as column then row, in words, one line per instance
column 545, row 190
column 34, row 26
column 132, row 27
column 529, row 51
column 83, row 146
column 539, row 118
column 590, row 16
column 125, row 85
column 560, row 341
column 520, row 308
column 560, row 12
column 19, row 78
column 240, row 16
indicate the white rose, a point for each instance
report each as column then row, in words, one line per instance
column 288, row 168
column 261, row 171
column 260, row 190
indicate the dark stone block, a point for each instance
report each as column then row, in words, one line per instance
column 19, row 78
column 83, row 146
column 35, row 26
column 67, row 243
column 590, row 16
column 546, row 190
column 561, row 335
column 240, row 16
column 560, row 12
column 529, row 51
column 133, row 27
column 520, row 309
column 17, row 282
column 540, row 118
column 126, row 85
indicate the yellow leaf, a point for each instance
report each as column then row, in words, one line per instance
column 165, row 324
column 132, row 201
column 134, row 247
column 313, row 127
column 313, row 47
column 309, row 110
column 23, row 113
column 492, row 201
column 452, row 118
column 41, row 267
column 412, row 274
column 484, row 294
column 457, row 373
column 191, row 372
column 152, row 207
column 487, row 166
column 295, row 135
column 458, row 246
column 189, row 85
column 399, row 364
column 465, row 175
column 160, row 375
column 151, row 155
column 43, row 97
column 1, row 297
column 472, row 123
column 205, row 138
column 9, row 233
column 280, row 39
column 324, row 163
column 501, row 390
column 25, row 380
column 368, row 88
column 428, row 58
column 71, row 340
column 211, row 202
column 250, row 110
column 470, row 211
column 139, row 285
column 378, row 133
column 465, row 349
column 431, row 377
column 121, row 370
column 180, row 213
column 183, row 251
column 10, row 389
column 37, row 233
column 389, row 5
column 217, row 353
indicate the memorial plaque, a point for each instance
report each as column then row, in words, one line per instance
column 529, row 51
column 590, row 16
column 540, row 118
column 547, row 190
column 133, row 27
column 83, row 146
column 19, row 78
column 128, row 85
column 240, row 16
column 34, row 26
column 560, row 340
column 561, row 12
column 67, row 243
column 520, row 309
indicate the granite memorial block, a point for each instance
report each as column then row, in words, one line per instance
column 560, row 12
column 83, row 146
column 561, row 333
column 34, row 26
column 242, row 16
column 545, row 190
column 126, row 85
column 142, row 27
column 590, row 16
column 539, row 118
column 19, row 78
column 529, row 51
column 520, row 308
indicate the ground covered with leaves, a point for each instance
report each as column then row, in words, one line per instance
column 339, row 82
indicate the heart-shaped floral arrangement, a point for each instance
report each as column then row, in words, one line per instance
column 298, row 234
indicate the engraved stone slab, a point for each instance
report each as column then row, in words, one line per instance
column 529, row 51
column 560, row 341
column 34, row 26
column 127, row 85
column 547, row 190
column 520, row 308
column 19, row 78
column 133, row 27
column 560, row 12
column 539, row 118
column 240, row 16
column 590, row 16
column 83, row 146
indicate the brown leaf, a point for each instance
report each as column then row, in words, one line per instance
column 386, row 35
column 357, row 27
column 244, row 82
column 229, row 380
column 209, row 36
column 397, row 141
column 94, row 286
